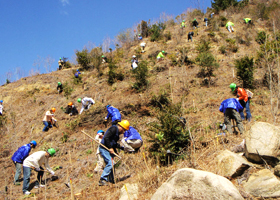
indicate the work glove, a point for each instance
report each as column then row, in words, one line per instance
column 38, row 169
column 70, row 114
column 237, row 99
column 52, row 172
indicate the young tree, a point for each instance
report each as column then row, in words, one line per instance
column 223, row 4
column 83, row 58
column 245, row 71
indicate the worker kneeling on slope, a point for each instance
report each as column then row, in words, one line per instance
column 132, row 140
column 86, row 103
column 35, row 161
column 71, row 109
column 49, row 120
column 114, row 114
column 110, row 139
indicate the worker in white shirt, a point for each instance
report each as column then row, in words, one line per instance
column 1, row 107
column 86, row 103
column 35, row 161
column 49, row 120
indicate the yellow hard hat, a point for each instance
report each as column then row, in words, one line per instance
column 125, row 124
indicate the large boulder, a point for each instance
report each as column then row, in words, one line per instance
column 189, row 183
column 231, row 164
column 263, row 184
column 263, row 142
column 129, row 192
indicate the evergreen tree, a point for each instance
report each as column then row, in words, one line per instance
column 245, row 71
column 223, row 4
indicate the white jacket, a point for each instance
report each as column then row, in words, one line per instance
column 87, row 100
column 36, row 160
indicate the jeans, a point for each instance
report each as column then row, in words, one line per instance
column 26, row 178
column 18, row 171
column 47, row 126
column 206, row 23
column 107, row 174
column 248, row 113
column 190, row 37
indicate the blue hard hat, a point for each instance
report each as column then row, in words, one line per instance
column 77, row 70
column 1, row 101
column 108, row 106
column 100, row 131
column 34, row 143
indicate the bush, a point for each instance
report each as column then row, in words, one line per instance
column 223, row 21
column 113, row 75
column 144, row 29
column 223, row 49
column 161, row 100
column 156, row 31
column 245, row 71
column 203, row 46
column 167, row 36
column 83, row 58
column 261, row 38
column 223, row 4
column 96, row 57
column 77, row 80
column 67, row 90
column 141, row 74
column 168, row 134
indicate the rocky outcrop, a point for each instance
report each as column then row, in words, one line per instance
column 129, row 192
column 263, row 184
column 231, row 164
column 189, row 183
column 262, row 142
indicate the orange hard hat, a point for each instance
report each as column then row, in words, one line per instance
column 70, row 104
column 53, row 109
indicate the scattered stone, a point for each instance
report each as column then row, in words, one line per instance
column 129, row 192
column 263, row 184
column 189, row 183
column 231, row 164
column 277, row 170
column 239, row 148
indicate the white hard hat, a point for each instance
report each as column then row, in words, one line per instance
column 133, row 56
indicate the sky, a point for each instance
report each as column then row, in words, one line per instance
column 34, row 34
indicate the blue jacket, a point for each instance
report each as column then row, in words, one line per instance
column 132, row 134
column 113, row 113
column 21, row 153
column 230, row 103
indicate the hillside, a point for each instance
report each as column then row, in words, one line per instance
column 27, row 100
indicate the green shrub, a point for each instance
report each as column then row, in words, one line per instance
column 83, row 58
column 223, row 21
column 156, row 31
column 245, row 71
column 223, row 49
column 113, row 75
column 203, row 46
column 167, row 36
column 141, row 75
column 144, row 29
column 64, row 137
column 160, row 100
column 223, row 4
column 77, row 80
column 261, row 37
column 67, row 90
column 96, row 57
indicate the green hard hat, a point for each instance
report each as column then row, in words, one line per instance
column 79, row 100
column 59, row 83
column 232, row 86
column 163, row 51
column 183, row 20
column 102, row 56
column 51, row 151
column 194, row 19
column 60, row 58
column 139, row 34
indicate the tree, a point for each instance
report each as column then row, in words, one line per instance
column 83, row 58
column 223, row 4
column 245, row 71
column 141, row 74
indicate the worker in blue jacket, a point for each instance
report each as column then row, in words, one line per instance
column 114, row 114
column 132, row 140
column 231, row 108
column 19, row 157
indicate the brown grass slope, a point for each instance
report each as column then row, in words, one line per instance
column 27, row 100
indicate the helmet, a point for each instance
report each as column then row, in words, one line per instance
column 100, row 131
column 194, row 19
column 34, row 143
column 133, row 56
column 102, row 56
column 139, row 34
column 51, row 151
column 125, row 124
column 183, row 20
column 108, row 106
column 77, row 70
column 53, row 109
column 232, row 86
column 79, row 100
column 163, row 51
column 70, row 104
column 60, row 58
column 59, row 83
column 1, row 101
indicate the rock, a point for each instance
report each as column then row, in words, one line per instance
column 263, row 184
column 263, row 138
column 231, row 164
column 239, row 148
column 277, row 170
column 189, row 183
column 131, row 189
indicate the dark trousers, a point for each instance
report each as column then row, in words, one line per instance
column 233, row 114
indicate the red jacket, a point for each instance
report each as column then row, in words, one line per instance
column 242, row 94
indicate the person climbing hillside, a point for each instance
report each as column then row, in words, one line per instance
column 132, row 140
column 211, row 15
column 134, row 62
column 143, row 45
column 86, row 103
column 206, row 21
column 160, row 56
column 60, row 64
column 71, row 109
column 100, row 162
column 194, row 23
column 1, row 107
column 77, row 74
column 49, row 120
column 243, row 99
column 36, row 161
column 114, row 114
column 59, row 87
column 247, row 20
column 110, row 140
column 139, row 37
column 190, row 35
column 19, row 156
column 229, row 26
column 183, row 25
column 104, row 59
column 231, row 108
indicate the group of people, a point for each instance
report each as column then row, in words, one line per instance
column 233, row 108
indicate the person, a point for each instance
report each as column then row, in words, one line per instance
column 195, row 23
column 35, row 161
column 143, row 45
column 86, row 103
column 243, row 99
column 206, row 21
column 77, row 74
column 19, row 156
column 1, row 107
column 139, row 37
column 160, row 55
column 59, row 87
column 229, row 26
column 132, row 140
column 114, row 114
column 247, row 20
column 60, row 64
column 110, row 140
column 134, row 62
column 104, row 59
column 190, row 35
column 100, row 162
column 211, row 15
column 183, row 25
column 135, row 35
column 231, row 108
column 71, row 109
column 49, row 120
